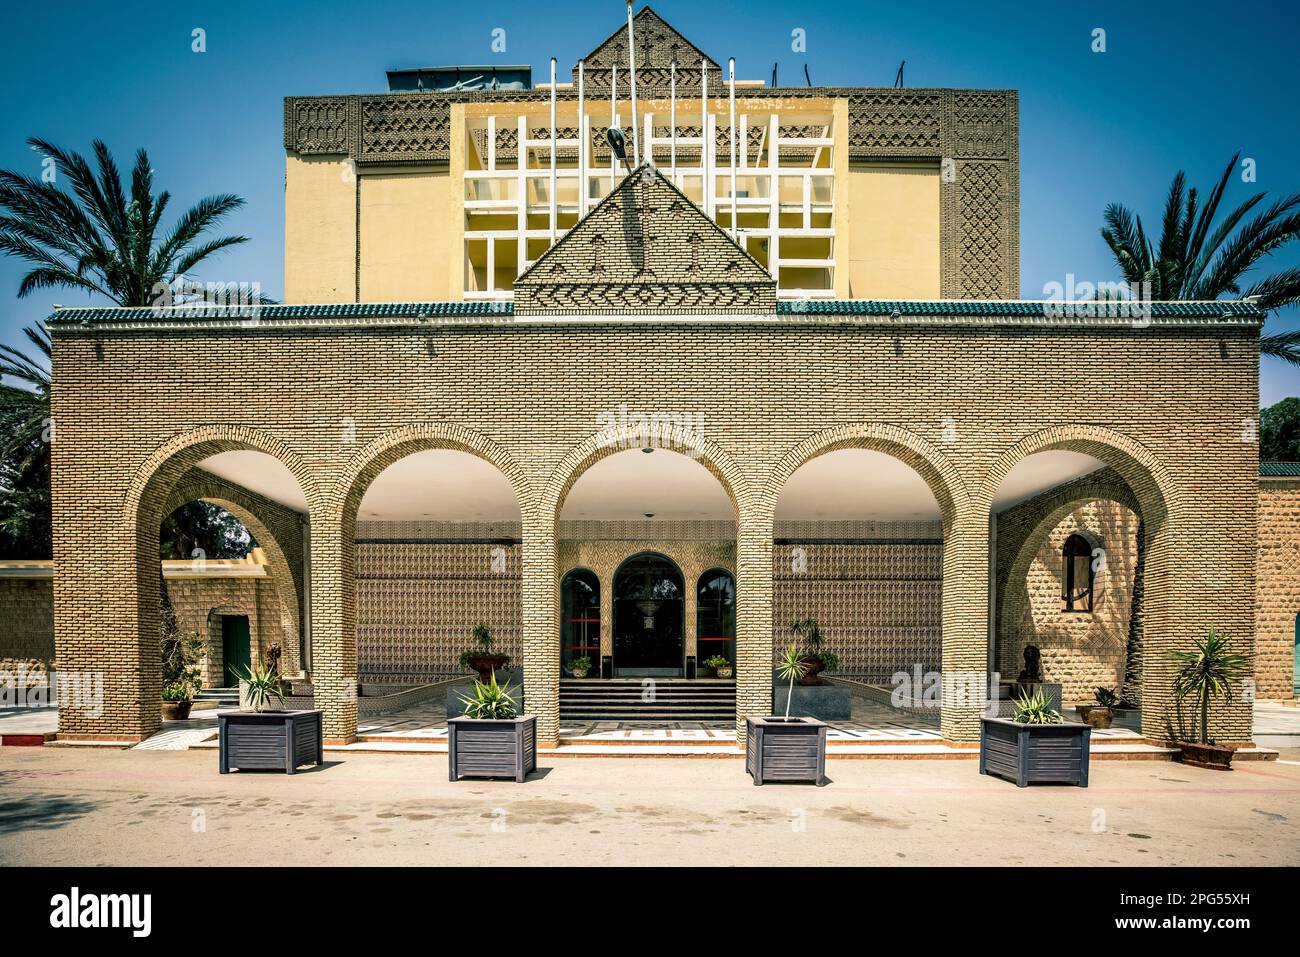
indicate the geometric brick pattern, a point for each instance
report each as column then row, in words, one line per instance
column 1279, row 587
column 961, row 403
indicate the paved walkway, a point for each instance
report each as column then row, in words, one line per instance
column 97, row 807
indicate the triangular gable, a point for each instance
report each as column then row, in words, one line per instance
column 656, row 44
column 645, row 250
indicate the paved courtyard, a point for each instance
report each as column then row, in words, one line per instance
column 62, row 806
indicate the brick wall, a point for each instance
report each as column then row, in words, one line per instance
column 27, row 633
column 959, row 400
column 1279, row 588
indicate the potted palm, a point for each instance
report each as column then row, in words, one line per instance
column 808, row 632
column 491, row 740
column 1035, row 745
column 260, row 738
column 579, row 667
column 481, row 659
column 1207, row 672
column 785, row 748
column 182, row 677
column 1100, row 714
column 720, row 665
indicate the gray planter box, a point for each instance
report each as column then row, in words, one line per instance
column 488, row 748
column 829, row 702
column 781, row 749
column 270, row 740
column 1035, row 753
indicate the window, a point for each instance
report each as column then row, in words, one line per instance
column 580, row 619
column 715, row 616
column 1077, row 575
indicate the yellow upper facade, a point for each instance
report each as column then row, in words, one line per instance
column 838, row 193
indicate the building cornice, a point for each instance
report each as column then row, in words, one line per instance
column 872, row 312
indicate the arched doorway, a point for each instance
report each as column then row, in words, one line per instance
column 715, row 616
column 580, row 619
column 649, row 624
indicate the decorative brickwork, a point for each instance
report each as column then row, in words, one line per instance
column 960, row 400
column 645, row 250
column 27, row 638
column 1278, row 612
column 657, row 45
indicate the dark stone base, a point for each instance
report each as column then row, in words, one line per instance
column 829, row 702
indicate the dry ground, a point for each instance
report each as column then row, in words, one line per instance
column 75, row 806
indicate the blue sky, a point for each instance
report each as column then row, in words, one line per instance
column 1181, row 85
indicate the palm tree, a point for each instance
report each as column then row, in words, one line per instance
column 25, row 435
column 1207, row 672
column 98, row 239
column 1197, row 258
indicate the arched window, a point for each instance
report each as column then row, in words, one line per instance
column 715, row 617
column 1077, row 574
column 580, row 619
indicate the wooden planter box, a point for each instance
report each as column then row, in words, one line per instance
column 489, row 748
column 1035, row 753
column 781, row 749
column 270, row 740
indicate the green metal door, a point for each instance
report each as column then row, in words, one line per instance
column 235, row 651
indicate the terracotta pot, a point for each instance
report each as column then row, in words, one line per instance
column 176, row 710
column 814, row 666
column 485, row 665
column 1213, row 757
column 1098, row 716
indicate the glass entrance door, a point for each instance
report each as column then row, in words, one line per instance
column 648, row 618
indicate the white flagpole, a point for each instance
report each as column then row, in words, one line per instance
column 554, row 198
column 704, row 138
column 631, row 56
column 613, row 121
column 731, row 72
column 584, row 144
column 672, row 109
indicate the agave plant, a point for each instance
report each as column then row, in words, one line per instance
column 261, row 684
column 1197, row 258
column 792, row 667
column 490, row 701
column 1106, row 697
column 1207, row 672
column 1036, row 708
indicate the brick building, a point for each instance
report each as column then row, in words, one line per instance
column 770, row 368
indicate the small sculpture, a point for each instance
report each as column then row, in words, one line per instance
column 1033, row 673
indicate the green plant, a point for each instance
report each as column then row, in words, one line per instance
column 1036, row 708
column 1208, row 672
column 829, row 659
column 1198, row 259
column 260, row 684
column 1106, row 697
column 177, row 691
column 490, row 701
column 482, row 638
column 790, row 666
column 180, row 654
column 808, row 632
column 580, row 664
column 717, row 661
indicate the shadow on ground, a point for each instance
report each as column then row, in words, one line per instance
column 41, row 813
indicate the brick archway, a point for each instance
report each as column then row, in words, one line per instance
column 132, row 671
column 334, row 591
column 1023, row 532
column 1176, row 602
column 965, row 547
column 278, row 532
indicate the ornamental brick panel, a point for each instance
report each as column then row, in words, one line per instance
column 960, row 399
